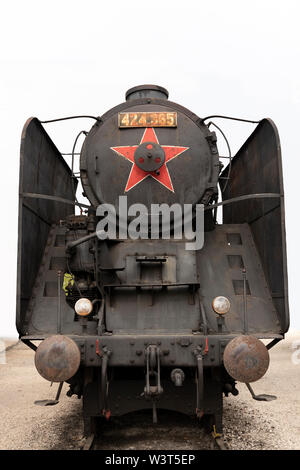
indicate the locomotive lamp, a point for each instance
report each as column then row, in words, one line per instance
column 83, row 307
column 221, row 306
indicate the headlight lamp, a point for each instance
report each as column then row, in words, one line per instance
column 221, row 305
column 83, row 307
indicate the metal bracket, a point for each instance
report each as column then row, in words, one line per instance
column 29, row 344
column 103, row 390
column 273, row 343
column 153, row 392
column 262, row 397
column 51, row 402
column 200, row 383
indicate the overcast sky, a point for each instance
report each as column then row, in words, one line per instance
column 59, row 58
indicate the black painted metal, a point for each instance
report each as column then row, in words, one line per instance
column 54, row 198
column 147, row 297
column 149, row 156
column 104, row 173
column 257, row 168
column 42, row 170
column 182, row 399
column 146, row 91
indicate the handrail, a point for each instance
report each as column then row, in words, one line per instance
column 243, row 198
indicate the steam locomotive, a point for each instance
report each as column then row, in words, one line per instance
column 132, row 318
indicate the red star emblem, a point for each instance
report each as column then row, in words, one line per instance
column 137, row 174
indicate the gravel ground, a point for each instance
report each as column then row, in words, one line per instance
column 248, row 424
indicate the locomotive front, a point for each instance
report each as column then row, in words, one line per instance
column 137, row 298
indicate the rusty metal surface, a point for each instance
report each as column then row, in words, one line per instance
column 127, row 120
column 246, row 358
column 257, row 168
column 57, row 358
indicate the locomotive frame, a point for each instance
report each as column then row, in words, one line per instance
column 167, row 363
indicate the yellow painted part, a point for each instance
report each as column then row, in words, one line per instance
column 68, row 282
column 215, row 434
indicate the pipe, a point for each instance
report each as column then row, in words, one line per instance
column 84, row 239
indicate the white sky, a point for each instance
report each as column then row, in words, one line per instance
column 59, row 58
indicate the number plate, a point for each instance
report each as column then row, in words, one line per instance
column 146, row 119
